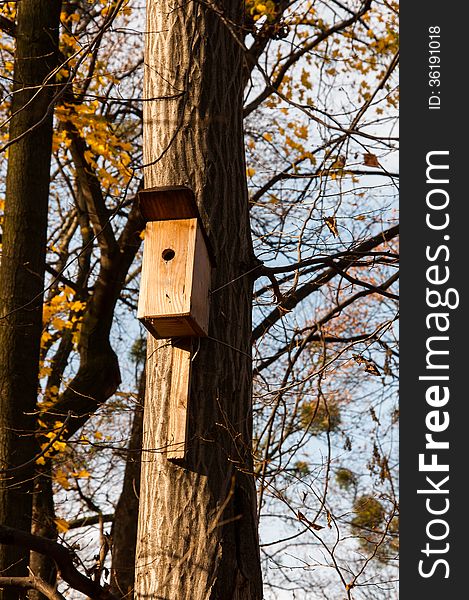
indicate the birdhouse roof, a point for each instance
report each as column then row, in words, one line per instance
column 168, row 203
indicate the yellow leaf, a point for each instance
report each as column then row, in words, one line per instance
column 77, row 305
column 58, row 323
column 62, row 525
column 331, row 223
column 83, row 474
column 305, row 80
column 61, row 478
column 302, row 132
column 59, row 446
column 46, row 336
column 250, row 172
column 98, row 435
column 44, row 372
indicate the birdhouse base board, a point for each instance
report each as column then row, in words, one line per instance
column 172, row 327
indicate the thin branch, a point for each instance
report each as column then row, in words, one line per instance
column 273, row 86
column 291, row 300
column 7, row 26
column 364, row 284
column 63, row 557
column 58, row 276
column 324, row 261
column 32, row 583
column 91, row 520
column 44, row 450
column 90, row 188
column 313, row 332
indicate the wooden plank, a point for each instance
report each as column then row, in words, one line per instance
column 179, row 399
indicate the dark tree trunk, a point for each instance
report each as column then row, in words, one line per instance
column 197, row 534
column 22, row 265
column 43, row 524
column 124, row 528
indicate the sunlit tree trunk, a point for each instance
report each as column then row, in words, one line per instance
column 22, row 265
column 197, row 534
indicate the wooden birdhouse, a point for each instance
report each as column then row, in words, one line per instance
column 177, row 262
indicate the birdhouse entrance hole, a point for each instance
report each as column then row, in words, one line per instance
column 168, row 254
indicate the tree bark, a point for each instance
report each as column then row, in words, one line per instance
column 22, row 265
column 43, row 524
column 197, row 535
column 124, row 528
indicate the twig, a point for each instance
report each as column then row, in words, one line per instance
column 63, row 557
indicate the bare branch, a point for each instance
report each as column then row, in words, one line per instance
column 63, row 557
column 274, row 85
column 91, row 520
column 7, row 26
column 291, row 300
column 32, row 583
column 90, row 188
column 313, row 331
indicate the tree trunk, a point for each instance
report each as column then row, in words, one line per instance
column 124, row 528
column 197, row 534
column 43, row 524
column 22, row 265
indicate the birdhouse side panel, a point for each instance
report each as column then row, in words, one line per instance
column 201, row 279
column 168, row 258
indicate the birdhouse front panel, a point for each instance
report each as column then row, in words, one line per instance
column 174, row 292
